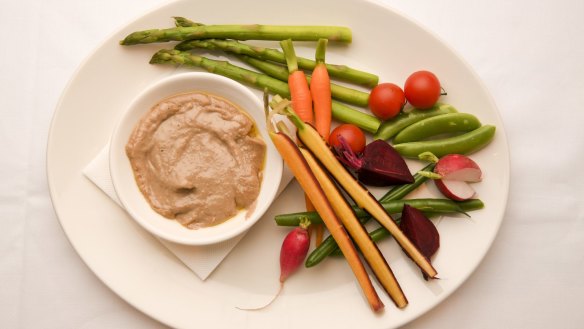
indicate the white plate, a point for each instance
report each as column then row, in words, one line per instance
column 144, row 273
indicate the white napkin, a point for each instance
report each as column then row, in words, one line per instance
column 200, row 259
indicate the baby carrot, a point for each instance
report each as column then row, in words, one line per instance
column 305, row 177
column 299, row 91
column 320, row 89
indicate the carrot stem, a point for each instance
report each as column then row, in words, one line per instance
column 290, row 55
column 320, row 50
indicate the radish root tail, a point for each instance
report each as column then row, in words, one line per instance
column 266, row 305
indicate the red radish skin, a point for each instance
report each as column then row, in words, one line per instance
column 457, row 171
column 292, row 254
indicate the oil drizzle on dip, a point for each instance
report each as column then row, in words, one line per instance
column 197, row 158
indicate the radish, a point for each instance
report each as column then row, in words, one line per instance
column 458, row 167
column 292, row 254
column 455, row 189
column 379, row 165
column 456, row 171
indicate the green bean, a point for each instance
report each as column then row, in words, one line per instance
column 400, row 191
column 376, row 235
column 392, row 207
column 390, row 128
column 382, row 233
column 461, row 144
column 437, row 125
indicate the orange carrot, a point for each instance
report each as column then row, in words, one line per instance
column 305, row 177
column 299, row 91
column 320, row 89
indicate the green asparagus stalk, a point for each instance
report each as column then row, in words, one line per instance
column 185, row 22
column 337, row 71
column 341, row 112
column 338, row 92
column 341, row 72
column 240, row 32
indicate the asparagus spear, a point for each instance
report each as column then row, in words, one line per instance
column 240, row 32
column 340, row 112
column 185, row 22
column 338, row 71
column 341, row 72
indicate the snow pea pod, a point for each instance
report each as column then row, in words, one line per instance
column 390, row 128
column 461, row 144
column 436, row 125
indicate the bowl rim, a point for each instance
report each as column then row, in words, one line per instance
column 198, row 238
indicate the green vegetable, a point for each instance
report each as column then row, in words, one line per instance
column 461, row 144
column 436, row 125
column 343, row 113
column 327, row 248
column 338, row 92
column 391, row 127
column 261, row 81
column 391, row 207
column 240, row 32
column 400, row 191
column 224, row 68
column 376, row 236
column 184, row 22
column 341, row 72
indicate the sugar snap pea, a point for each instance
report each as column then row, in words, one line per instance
column 390, row 128
column 461, row 144
column 437, row 125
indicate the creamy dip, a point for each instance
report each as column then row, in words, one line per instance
column 197, row 158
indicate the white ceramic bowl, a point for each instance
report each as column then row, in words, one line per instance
column 123, row 178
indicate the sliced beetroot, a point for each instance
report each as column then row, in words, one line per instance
column 378, row 165
column 420, row 230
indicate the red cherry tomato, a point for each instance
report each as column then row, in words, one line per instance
column 351, row 134
column 422, row 89
column 386, row 100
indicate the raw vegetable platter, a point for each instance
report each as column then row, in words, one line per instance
column 141, row 271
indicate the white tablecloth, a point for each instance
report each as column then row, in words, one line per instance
column 530, row 55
